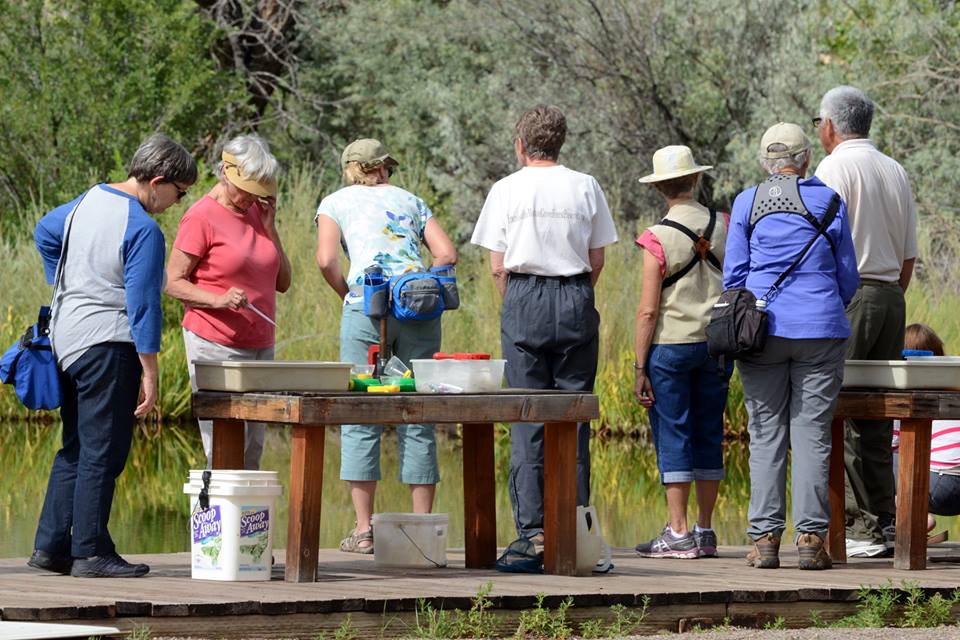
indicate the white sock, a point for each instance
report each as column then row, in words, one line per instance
column 697, row 528
column 674, row 534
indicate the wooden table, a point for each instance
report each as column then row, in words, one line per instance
column 915, row 410
column 309, row 414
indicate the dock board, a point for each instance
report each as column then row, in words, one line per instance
column 382, row 602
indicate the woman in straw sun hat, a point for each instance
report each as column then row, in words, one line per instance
column 226, row 267
column 680, row 385
column 380, row 225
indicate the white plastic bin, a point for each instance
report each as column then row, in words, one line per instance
column 925, row 373
column 271, row 375
column 232, row 539
column 458, row 376
column 410, row 540
column 593, row 552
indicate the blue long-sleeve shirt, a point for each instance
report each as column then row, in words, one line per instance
column 811, row 301
column 113, row 275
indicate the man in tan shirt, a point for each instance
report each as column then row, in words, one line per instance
column 883, row 220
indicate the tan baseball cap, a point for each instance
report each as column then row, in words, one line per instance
column 368, row 152
column 789, row 135
column 672, row 162
column 233, row 173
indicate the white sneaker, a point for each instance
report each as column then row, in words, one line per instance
column 864, row 548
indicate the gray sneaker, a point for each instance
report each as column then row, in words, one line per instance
column 666, row 545
column 889, row 539
column 706, row 543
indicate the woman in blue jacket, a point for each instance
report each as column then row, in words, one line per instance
column 791, row 387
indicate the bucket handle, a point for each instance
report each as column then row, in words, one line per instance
column 417, row 547
column 204, row 497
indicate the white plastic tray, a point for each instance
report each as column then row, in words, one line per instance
column 267, row 375
column 926, row 373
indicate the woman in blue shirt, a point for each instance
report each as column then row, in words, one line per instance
column 103, row 253
column 791, row 387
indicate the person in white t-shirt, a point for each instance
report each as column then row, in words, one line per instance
column 546, row 227
column 882, row 216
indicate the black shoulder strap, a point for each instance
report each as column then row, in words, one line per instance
column 828, row 219
column 780, row 193
column 710, row 257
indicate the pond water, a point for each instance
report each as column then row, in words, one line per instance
column 625, row 490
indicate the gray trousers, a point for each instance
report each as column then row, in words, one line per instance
column 790, row 391
column 877, row 315
column 202, row 349
column 549, row 334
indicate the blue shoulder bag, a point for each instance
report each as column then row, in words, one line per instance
column 30, row 364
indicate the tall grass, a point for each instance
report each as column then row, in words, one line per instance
column 308, row 314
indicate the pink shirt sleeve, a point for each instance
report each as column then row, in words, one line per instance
column 192, row 236
column 649, row 242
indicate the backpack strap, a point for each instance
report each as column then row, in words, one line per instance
column 780, row 193
column 701, row 248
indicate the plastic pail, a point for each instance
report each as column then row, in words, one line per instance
column 232, row 535
column 413, row 540
column 593, row 552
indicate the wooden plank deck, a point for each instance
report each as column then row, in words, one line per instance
column 382, row 602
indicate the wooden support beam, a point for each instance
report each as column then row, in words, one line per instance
column 228, row 443
column 479, row 496
column 560, row 498
column 836, row 536
column 306, row 487
column 913, row 488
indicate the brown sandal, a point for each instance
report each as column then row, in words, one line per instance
column 351, row 544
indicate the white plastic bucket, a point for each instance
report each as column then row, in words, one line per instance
column 410, row 540
column 232, row 539
column 593, row 552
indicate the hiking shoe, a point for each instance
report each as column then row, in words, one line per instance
column 765, row 553
column 706, row 543
column 110, row 566
column 50, row 562
column 889, row 538
column 864, row 548
column 813, row 553
column 666, row 545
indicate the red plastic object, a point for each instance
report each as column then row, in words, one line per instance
column 461, row 356
column 372, row 352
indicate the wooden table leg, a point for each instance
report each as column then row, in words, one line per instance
column 479, row 496
column 306, row 487
column 228, row 443
column 913, row 488
column 837, row 535
column 560, row 498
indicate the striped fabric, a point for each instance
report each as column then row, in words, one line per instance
column 944, row 445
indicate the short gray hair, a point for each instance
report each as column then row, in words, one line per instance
column 159, row 156
column 776, row 165
column 253, row 158
column 849, row 109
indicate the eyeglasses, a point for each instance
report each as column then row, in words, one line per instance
column 816, row 121
column 180, row 192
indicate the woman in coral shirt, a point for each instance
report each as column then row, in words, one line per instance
column 226, row 266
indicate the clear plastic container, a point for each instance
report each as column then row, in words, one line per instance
column 410, row 540
column 458, row 376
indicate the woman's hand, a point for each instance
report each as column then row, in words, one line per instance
column 643, row 389
column 234, row 298
column 148, row 384
column 268, row 211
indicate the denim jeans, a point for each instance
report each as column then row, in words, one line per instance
column 100, row 393
column 686, row 418
column 360, row 444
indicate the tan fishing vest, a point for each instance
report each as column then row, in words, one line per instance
column 685, row 306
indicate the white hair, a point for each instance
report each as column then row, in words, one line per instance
column 849, row 109
column 776, row 165
column 253, row 157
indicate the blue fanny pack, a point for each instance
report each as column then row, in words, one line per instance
column 31, row 367
column 421, row 295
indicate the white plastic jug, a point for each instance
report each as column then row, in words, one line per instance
column 593, row 552
column 232, row 535
column 410, row 540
